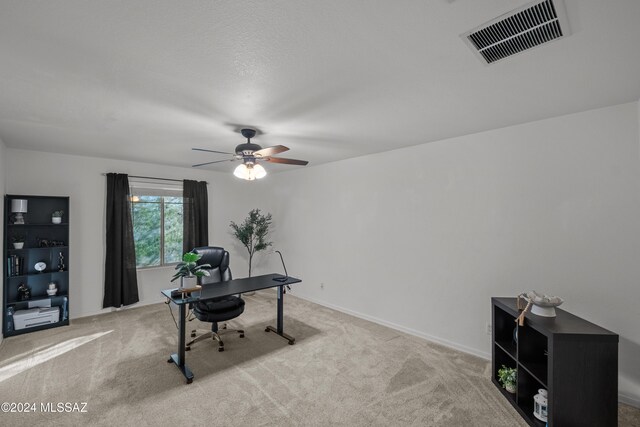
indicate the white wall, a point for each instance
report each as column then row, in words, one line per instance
column 39, row 173
column 421, row 238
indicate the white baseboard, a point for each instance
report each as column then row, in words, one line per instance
column 113, row 309
column 410, row 331
column 631, row 401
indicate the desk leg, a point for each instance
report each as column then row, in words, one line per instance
column 178, row 358
column 279, row 329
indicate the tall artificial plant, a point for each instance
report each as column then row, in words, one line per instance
column 252, row 233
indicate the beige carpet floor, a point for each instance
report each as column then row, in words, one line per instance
column 342, row 371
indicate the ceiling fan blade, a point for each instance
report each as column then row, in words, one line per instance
column 270, row 151
column 210, row 163
column 211, row 151
column 287, row 161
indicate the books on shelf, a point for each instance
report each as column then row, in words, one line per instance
column 15, row 265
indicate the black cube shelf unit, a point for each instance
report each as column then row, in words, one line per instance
column 44, row 242
column 574, row 360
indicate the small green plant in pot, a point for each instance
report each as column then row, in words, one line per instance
column 189, row 268
column 18, row 241
column 508, row 377
column 56, row 217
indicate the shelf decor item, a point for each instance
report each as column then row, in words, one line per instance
column 40, row 266
column 56, row 217
column 541, row 305
column 52, row 289
column 61, row 265
column 24, row 293
column 47, row 243
column 540, row 405
column 19, row 208
column 508, row 377
column 18, row 241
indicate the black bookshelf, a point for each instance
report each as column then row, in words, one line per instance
column 44, row 242
column 573, row 359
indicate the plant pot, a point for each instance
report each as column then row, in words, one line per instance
column 188, row 282
column 56, row 219
column 511, row 388
column 18, row 245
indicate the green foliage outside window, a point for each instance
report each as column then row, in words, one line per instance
column 157, row 241
column 173, row 228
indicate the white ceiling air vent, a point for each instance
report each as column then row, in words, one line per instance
column 534, row 24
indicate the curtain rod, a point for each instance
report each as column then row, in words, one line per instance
column 153, row 177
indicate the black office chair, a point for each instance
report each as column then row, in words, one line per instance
column 219, row 309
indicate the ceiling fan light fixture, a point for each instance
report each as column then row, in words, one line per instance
column 250, row 171
column 250, row 154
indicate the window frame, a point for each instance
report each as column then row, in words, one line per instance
column 137, row 189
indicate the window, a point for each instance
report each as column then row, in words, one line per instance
column 157, row 224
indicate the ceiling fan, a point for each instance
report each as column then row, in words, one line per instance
column 251, row 154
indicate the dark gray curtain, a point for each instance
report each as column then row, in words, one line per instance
column 196, row 215
column 120, row 282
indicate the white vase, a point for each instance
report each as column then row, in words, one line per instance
column 18, row 245
column 56, row 219
column 511, row 388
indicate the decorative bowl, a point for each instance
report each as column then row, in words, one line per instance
column 543, row 305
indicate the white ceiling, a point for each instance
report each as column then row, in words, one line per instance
column 332, row 79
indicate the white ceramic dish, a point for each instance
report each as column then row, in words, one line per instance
column 543, row 305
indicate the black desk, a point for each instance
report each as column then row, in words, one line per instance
column 223, row 289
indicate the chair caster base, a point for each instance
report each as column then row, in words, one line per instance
column 214, row 336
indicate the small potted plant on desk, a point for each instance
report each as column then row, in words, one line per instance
column 56, row 217
column 189, row 269
column 508, row 377
column 18, row 241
